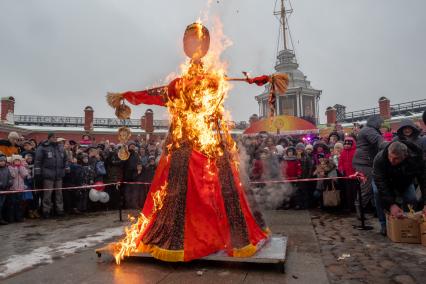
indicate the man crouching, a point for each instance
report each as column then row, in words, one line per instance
column 396, row 171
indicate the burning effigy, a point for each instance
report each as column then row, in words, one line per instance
column 196, row 204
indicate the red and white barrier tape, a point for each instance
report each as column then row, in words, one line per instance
column 358, row 176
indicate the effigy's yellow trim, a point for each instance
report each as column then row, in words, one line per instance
column 162, row 254
column 246, row 251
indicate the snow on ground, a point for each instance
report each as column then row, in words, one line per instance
column 46, row 254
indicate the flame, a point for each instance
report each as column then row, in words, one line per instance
column 197, row 117
column 132, row 233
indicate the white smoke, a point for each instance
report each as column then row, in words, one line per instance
column 267, row 196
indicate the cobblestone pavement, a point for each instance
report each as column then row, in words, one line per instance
column 370, row 257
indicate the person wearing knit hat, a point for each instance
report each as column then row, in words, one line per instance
column 10, row 146
column 309, row 148
column 300, row 146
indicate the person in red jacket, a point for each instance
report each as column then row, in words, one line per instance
column 345, row 168
column 291, row 167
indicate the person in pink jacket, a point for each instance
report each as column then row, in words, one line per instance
column 19, row 172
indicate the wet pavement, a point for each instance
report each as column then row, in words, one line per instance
column 62, row 251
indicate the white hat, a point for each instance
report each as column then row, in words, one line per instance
column 60, row 139
column 15, row 157
column 13, row 135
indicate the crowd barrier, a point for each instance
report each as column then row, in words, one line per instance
column 359, row 176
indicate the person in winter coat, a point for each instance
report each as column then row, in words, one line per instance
column 291, row 167
column 396, row 168
column 19, row 172
column 149, row 169
column 85, row 175
column 324, row 169
column 408, row 131
column 140, row 190
column 31, row 198
column 304, row 189
column 256, row 171
column 27, row 149
column 369, row 140
column 114, row 169
column 320, row 148
column 50, row 164
column 130, row 168
column 9, row 146
column 345, row 169
column 6, row 181
column 337, row 150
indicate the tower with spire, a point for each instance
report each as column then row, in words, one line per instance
column 301, row 99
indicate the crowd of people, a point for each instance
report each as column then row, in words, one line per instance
column 60, row 163
column 393, row 165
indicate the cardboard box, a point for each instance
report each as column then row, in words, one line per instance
column 405, row 230
column 423, row 233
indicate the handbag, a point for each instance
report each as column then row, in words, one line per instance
column 331, row 197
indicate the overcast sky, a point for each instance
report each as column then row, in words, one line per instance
column 57, row 56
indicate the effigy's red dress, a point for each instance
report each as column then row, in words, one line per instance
column 203, row 208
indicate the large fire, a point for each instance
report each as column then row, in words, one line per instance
column 197, row 117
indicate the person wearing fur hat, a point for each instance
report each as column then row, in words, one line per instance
column 10, row 146
column 6, row 181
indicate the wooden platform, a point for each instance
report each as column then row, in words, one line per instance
column 273, row 251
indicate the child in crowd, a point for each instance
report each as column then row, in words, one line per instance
column 337, row 150
column 19, row 172
column 6, row 182
column 31, row 199
column 85, row 175
column 320, row 148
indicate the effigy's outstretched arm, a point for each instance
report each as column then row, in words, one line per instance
column 278, row 81
column 154, row 96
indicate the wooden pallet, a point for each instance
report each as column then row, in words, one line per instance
column 273, row 251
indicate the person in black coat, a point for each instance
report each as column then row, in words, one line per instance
column 130, row 169
column 395, row 171
column 368, row 143
column 50, row 163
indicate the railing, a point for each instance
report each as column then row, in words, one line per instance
column 403, row 108
column 69, row 121
column 396, row 109
column 48, row 120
